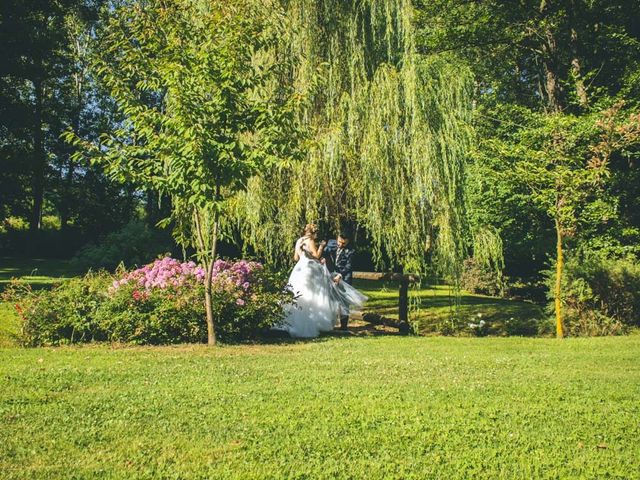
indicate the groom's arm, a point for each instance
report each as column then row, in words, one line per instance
column 346, row 265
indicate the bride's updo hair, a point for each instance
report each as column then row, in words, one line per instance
column 310, row 229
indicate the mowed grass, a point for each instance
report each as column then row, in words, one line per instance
column 437, row 306
column 37, row 272
column 367, row 407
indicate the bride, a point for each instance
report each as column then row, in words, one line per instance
column 320, row 298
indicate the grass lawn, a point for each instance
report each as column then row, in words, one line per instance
column 36, row 271
column 365, row 407
column 437, row 306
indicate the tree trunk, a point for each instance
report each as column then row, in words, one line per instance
column 151, row 207
column 207, row 254
column 208, row 299
column 558, row 289
column 39, row 160
column 68, row 187
column 576, row 71
column 67, row 200
column 552, row 84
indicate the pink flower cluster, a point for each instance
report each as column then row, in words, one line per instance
column 234, row 278
column 229, row 278
column 163, row 273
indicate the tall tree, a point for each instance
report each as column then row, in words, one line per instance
column 389, row 129
column 568, row 57
column 204, row 108
column 33, row 39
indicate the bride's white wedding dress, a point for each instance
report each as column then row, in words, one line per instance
column 319, row 302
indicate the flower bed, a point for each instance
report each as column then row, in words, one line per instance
column 160, row 303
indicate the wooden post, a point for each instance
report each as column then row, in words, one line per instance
column 403, row 306
column 403, row 294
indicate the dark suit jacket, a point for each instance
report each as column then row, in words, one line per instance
column 341, row 263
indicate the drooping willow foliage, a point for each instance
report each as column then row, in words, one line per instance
column 488, row 252
column 388, row 130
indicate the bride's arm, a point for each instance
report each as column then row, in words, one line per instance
column 296, row 253
column 314, row 249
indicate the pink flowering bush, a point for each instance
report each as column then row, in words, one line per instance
column 159, row 303
column 163, row 302
column 163, row 273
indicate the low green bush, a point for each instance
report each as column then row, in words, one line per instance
column 64, row 314
column 156, row 316
column 49, row 242
column 601, row 296
column 478, row 279
column 134, row 244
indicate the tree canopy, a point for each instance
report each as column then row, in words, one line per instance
column 389, row 130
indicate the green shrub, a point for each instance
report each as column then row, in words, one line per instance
column 601, row 296
column 258, row 310
column 50, row 222
column 161, row 303
column 49, row 242
column 64, row 314
column 134, row 315
column 478, row 279
column 18, row 224
column 134, row 244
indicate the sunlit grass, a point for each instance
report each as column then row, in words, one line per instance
column 336, row 407
column 37, row 272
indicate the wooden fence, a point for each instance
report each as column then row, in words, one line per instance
column 403, row 280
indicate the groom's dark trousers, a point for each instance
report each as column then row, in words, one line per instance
column 340, row 260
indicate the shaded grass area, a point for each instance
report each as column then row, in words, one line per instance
column 39, row 273
column 375, row 407
column 436, row 308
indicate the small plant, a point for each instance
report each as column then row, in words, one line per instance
column 478, row 279
column 479, row 328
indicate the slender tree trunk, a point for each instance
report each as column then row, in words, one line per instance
column 65, row 204
column 207, row 251
column 39, row 160
column 576, row 70
column 151, row 207
column 558, row 288
column 208, row 298
column 71, row 167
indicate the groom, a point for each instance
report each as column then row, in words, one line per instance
column 338, row 256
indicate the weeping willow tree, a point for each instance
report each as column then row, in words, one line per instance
column 388, row 130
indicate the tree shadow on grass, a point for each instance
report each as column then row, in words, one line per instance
column 39, row 273
column 356, row 329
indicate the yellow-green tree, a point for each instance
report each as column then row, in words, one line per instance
column 389, row 130
column 562, row 161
